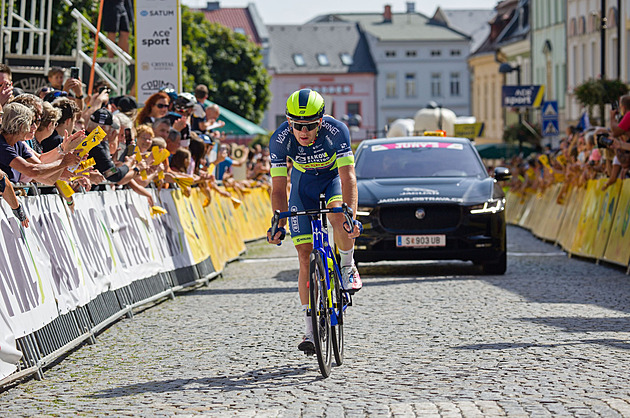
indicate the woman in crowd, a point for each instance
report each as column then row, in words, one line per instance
column 155, row 107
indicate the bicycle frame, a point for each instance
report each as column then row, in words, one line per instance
column 321, row 243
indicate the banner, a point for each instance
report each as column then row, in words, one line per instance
column 158, row 47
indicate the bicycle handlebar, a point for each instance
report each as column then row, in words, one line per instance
column 277, row 215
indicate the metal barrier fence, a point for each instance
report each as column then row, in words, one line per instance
column 68, row 331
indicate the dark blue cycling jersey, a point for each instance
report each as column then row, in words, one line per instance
column 315, row 169
column 330, row 150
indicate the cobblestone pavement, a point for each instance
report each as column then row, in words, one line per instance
column 550, row 338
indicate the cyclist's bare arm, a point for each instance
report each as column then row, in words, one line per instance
column 278, row 202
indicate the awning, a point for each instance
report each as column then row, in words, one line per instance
column 238, row 125
column 503, row 150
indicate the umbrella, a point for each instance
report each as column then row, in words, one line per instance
column 503, row 150
column 238, row 125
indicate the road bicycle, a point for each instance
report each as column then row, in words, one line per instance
column 327, row 298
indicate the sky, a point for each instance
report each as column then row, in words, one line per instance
column 299, row 11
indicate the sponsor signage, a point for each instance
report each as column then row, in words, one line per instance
column 522, row 96
column 469, row 130
column 158, row 47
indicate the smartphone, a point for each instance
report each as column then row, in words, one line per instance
column 129, row 142
column 74, row 72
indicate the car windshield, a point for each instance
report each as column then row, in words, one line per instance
column 418, row 159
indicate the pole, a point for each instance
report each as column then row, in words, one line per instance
column 520, row 113
column 618, row 23
column 602, row 34
column 98, row 31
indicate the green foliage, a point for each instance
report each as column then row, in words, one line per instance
column 227, row 62
column 597, row 93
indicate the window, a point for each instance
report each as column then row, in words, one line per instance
column 411, row 53
column 436, row 53
column 390, row 85
column 323, row 59
column 239, row 30
column 298, row 59
column 346, row 59
column 455, row 52
column 410, row 85
column 455, row 84
column 436, row 84
column 353, row 108
column 390, row 54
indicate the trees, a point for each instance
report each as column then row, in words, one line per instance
column 227, row 62
column 598, row 93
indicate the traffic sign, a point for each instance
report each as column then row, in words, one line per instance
column 550, row 127
column 550, row 110
column 522, row 96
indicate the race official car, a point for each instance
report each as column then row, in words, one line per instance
column 429, row 198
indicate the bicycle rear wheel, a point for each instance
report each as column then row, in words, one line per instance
column 338, row 305
column 320, row 313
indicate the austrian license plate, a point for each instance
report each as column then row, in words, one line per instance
column 421, row 241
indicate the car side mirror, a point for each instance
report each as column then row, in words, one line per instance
column 502, row 174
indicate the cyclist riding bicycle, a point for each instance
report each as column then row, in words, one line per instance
column 319, row 146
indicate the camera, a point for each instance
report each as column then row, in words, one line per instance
column 603, row 141
column 102, row 89
column 74, row 72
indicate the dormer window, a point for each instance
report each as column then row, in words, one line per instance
column 298, row 59
column 323, row 59
column 346, row 59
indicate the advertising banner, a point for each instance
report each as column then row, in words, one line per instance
column 158, row 46
column 522, row 96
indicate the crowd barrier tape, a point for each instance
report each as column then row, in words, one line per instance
column 587, row 222
column 82, row 266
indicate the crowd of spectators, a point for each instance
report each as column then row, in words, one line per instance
column 582, row 155
column 168, row 142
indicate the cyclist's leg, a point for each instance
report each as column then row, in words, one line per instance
column 302, row 237
column 344, row 243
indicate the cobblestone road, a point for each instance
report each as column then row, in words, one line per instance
column 550, row 338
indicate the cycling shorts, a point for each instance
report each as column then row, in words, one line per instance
column 305, row 191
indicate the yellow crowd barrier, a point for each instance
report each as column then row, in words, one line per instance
column 587, row 222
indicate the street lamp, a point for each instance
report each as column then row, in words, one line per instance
column 506, row 68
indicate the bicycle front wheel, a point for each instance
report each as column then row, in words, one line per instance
column 338, row 305
column 320, row 313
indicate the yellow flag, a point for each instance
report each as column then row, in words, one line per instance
column 157, row 210
column 93, row 139
column 64, row 188
column 159, row 155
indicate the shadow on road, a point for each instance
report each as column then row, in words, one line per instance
column 611, row 342
column 270, row 377
column 242, row 291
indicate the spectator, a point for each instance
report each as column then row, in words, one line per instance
column 6, row 84
column 43, row 91
column 55, row 78
column 101, row 153
column 50, row 116
column 161, row 127
column 6, row 189
column 15, row 159
column 155, row 107
column 223, row 163
column 116, row 21
column 173, row 141
column 144, row 138
column 198, row 118
column 180, row 161
column 183, row 108
column 126, row 105
column 65, row 124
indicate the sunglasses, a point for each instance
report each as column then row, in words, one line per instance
column 161, row 106
column 309, row 125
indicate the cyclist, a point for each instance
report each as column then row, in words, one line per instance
column 319, row 147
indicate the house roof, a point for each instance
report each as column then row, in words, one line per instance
column 403, row 27
column 472, row 22
column 237, row 19
column 309, row 40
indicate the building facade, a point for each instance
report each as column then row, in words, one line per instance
column 332, row 58
column 418, row 61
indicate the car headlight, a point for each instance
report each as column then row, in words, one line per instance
column 364, row 211
column 491, row 206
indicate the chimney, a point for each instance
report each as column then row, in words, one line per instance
column 212, row 5
column 411, row 7
column 387, row 14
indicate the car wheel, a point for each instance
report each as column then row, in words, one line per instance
column 496, row 267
